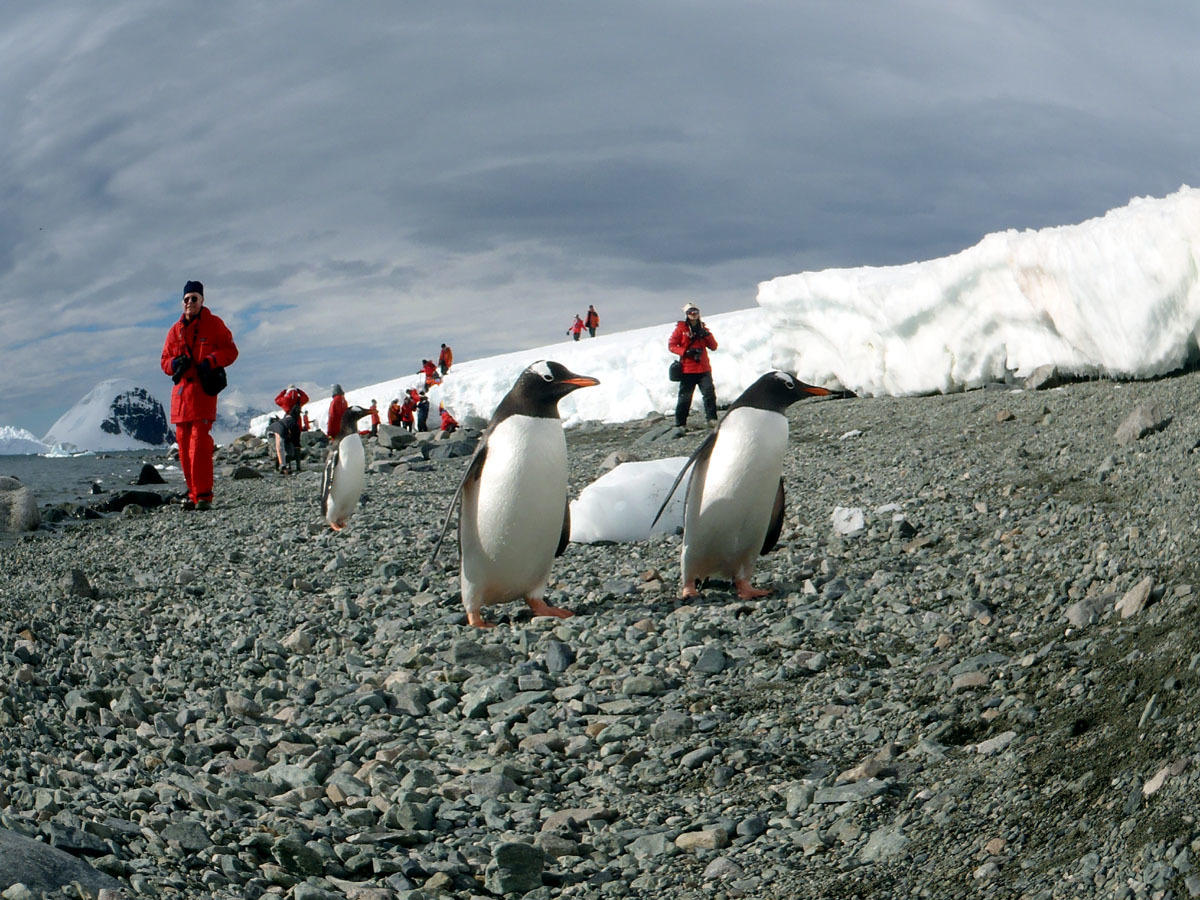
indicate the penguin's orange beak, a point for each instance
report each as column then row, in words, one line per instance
column 813, row 390
column 581, row 381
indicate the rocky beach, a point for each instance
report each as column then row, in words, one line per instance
column 982, row 682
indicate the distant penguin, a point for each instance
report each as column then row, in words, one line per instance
column 733, row 511
column 514, row 518
column 342, row 483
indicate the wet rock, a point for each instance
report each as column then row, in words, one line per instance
column 18, row 506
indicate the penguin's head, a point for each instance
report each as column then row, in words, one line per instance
column 777, row 391
column 541, row 386
column 350, row 420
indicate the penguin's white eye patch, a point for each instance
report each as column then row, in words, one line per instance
column 786, row 379
column 542, row 368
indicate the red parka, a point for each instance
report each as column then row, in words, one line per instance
column 287, row 400
column 681, row 342
column 337, row 407
column 203, row 338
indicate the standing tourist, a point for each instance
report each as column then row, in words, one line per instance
column 196, row 347
column 690, row 341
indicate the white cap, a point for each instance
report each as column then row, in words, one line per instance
column 688, row 306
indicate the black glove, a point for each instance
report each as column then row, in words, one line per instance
column 694, row 353
column 205, row 365
column 179, row 365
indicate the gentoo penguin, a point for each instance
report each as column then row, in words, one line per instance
column 513, row 517
column 342, row 483
column 733, row 510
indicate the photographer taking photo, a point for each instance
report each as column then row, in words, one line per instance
column 690, row 341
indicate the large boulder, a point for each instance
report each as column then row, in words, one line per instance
column 44, row 869
column 395, row 437
column 149, row 475
column 1148, row 418
column 18, row 506
column 450, row 447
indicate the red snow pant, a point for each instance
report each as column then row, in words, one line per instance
column 196, row 457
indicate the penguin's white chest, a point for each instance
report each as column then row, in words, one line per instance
column 345, row 484
column 731, row 494
column 512, row 517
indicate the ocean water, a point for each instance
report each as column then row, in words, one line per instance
column 70, row 478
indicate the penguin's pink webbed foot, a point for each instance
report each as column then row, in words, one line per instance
column 474, row 617
column 541, row 608
column 335, row 526
column 689, row 590
column 747, row 591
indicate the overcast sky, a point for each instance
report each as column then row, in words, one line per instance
column 355, row 183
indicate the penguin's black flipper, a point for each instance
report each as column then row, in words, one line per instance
column 474, row 468
column 776, row 526
column 702, row 451
column 331, row 462
column 565, row 537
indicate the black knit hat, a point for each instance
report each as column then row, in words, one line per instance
column 193, row 287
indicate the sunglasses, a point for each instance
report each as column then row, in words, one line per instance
column 192, row 298
column 693, row 312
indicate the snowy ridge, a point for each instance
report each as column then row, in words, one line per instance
column 631, row 366
column 1118, row 295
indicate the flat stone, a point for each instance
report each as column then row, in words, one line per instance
column 707, row 839
column 850, row 793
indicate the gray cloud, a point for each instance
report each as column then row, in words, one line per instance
column 357, row 184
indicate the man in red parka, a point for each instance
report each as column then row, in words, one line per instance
column 337, row 408
column 690, row 341
column 196, row 345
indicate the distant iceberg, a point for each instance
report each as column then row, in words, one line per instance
column 19, row 442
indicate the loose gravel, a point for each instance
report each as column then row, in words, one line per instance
column 982, row 681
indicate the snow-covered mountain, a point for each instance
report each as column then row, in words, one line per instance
column 116, row 414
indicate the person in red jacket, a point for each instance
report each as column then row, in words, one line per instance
column 690, row 341
column 431, row 373
column 449, row 423
column 592, row 321
column 576, row 328
column 195, row 346
column 374, row 411
column 337, row 407
column 445, row 359
column 290, row 400
column 406, row 413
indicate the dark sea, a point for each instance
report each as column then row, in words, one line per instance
column 70, row 478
